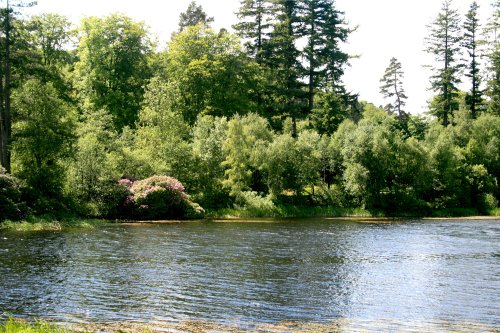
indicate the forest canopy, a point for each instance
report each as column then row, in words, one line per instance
column 253, row 118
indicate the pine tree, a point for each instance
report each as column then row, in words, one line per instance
column 444, row 43
column 332, row 56
column 322, row 27
column 282, row 57
column 492, row 32
column 392, row 87
column 471, row 43
column 254, row 25
column 193, row 16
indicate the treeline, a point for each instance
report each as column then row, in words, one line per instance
column 252, row 119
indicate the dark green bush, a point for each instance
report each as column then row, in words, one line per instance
column 11, row 205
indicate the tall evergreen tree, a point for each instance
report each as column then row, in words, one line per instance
column 321, row 25
column 392, row 87
column 334, row 59
column 471, row 43
column 492, row 32
column 444, row 43
column 193, row 16
column 254, row 25
column 282, row 57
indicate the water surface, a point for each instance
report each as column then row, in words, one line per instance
column 313, row 271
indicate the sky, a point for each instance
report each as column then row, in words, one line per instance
column 386, row 29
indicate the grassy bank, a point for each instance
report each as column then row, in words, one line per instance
column 20, row 326
column 340, row 325
column 280, row 211
column 51, row 224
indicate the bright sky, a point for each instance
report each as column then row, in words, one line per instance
column 387, row 28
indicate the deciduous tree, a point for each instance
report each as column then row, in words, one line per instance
column 113, row 66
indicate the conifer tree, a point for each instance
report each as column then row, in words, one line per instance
column 492, row 32
column 392, row 87
column 444, row 43
column 321, row 25
column 254, row 25
column 193, row 16
column 471, row 43
column 282, row 57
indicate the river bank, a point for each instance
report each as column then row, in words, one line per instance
column 196, row 326
column 227, row 215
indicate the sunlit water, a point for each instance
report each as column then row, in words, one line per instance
column 303, row 270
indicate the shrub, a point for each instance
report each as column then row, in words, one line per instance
column 158, row 197
column 253, row 201
column 11, row 206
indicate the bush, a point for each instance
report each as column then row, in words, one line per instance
column 158, row 197
column 11, row 206
column 253, row 201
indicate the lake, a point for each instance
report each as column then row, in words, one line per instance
column 374, row 276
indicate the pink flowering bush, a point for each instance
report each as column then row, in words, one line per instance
column 158, row 197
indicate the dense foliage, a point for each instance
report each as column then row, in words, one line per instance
column 250, row 123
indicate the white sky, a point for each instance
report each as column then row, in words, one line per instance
column 387, row 28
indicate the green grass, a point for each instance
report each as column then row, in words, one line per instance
column 50, row 224
column 12, row 325
column 288, row 211
column 455, row 212
column 280, row 211
column 494, row 212
column 292, row 211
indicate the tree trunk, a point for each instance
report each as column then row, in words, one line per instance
column 7, row 114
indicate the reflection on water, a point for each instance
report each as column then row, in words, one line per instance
column 311, row 271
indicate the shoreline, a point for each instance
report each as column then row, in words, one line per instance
column 205, row 326
column 361, row 219
column 83, row 223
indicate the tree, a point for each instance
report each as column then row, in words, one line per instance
column 91, row 177
column 492, row 32
column 192, row 16
column 381, row 169
column 471, row 43
column 282, row 57
column 209, row 135
column 254, row 26
column 7, row 28
column 322, row 26
column 161, row 139
column 11, row 204
column 444, row 43
column 392, row 87
column 48, row 36
column 209, row 74
column 113, row 66
column 247, row 137
column 43, row 134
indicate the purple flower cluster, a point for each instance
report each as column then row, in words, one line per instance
column 125, row 182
